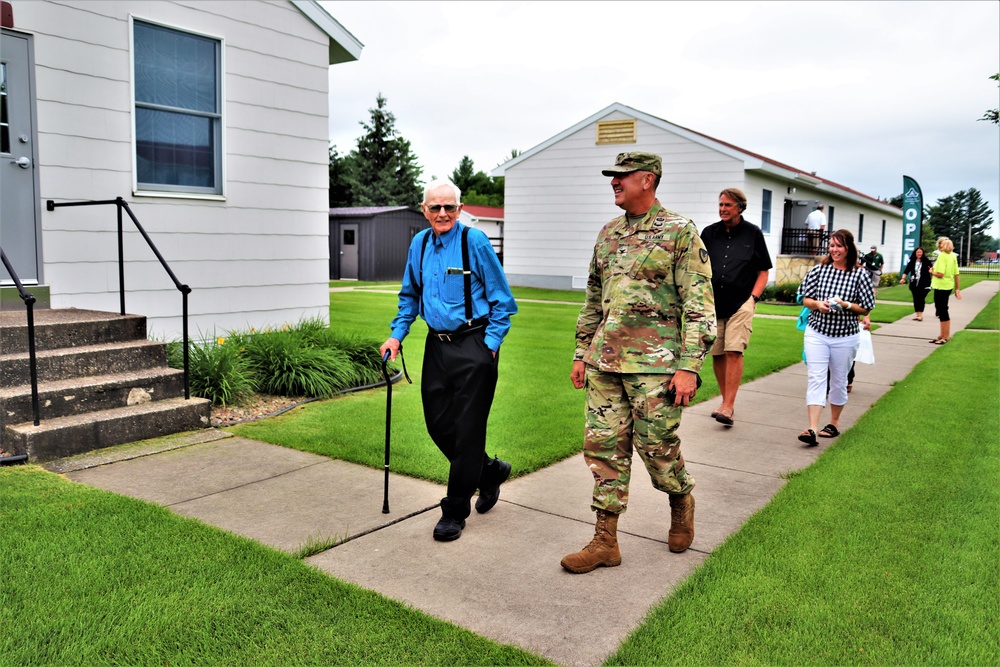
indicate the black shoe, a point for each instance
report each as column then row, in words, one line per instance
column 448, row 529
column 490, row 493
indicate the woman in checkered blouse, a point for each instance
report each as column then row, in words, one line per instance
column 837, row 291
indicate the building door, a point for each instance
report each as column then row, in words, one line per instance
column 348, row 252
column 19, row 213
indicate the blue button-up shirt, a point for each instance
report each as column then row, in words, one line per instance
column 442, row 304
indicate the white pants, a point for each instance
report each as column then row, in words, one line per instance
column 829, row 353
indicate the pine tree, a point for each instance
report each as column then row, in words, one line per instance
column 381, row 171
column 341, row 168
column 960, row 215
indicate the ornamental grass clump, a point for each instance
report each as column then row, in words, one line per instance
column 362, row 352
column 219, row 372
column 287, row 365
column 306, row 359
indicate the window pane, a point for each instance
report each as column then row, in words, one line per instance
column 175, row 69
column 765, row 213
column 4, row 123
column 174, row 149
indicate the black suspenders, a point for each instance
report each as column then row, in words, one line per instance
column 466, row 272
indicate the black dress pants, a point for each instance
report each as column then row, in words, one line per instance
column 458, row 382
column 919, row 297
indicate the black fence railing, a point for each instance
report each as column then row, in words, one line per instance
column 29, row 304
column 122, row 205
column 988, row 269
column 802, row 241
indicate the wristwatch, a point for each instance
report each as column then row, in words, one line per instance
column 756, row 298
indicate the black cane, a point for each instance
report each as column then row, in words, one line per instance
column 388, row 424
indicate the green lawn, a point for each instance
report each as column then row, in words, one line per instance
column 884, row 552
column 93, row 578
column 537, row 417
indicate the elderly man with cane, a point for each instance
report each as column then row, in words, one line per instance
column 454, row 281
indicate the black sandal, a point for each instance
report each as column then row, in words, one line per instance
column 808, row 436
column 829, row 431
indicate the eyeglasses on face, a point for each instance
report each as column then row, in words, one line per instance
column 436, row 208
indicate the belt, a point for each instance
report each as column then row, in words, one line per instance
column 461, row 332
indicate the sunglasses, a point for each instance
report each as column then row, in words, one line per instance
column 436, row 208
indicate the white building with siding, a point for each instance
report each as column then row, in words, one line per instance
column 487, row 218
column 209, row 119
column 556, row 200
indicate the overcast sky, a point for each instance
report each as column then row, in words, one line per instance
column 859, row 92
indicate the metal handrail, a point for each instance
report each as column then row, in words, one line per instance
column 121, row 204
column 29, row 304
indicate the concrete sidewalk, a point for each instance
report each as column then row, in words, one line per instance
column 502, row 579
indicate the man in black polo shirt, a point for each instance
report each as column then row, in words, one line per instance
column 740, row 263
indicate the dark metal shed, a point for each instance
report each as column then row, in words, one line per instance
column 370, row 242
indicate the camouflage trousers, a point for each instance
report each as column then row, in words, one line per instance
column 626, row 410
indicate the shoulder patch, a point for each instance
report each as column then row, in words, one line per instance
column 703, row 254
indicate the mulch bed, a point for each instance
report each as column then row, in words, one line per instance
column 257, row 406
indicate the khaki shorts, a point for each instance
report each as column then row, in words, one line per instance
column 734, row 331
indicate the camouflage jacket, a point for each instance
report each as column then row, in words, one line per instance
column 650, row 306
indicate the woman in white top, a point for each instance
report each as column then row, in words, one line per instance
column 837, row 291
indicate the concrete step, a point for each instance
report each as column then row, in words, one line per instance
column 67, row 327
column 75, row 434
column 83, row 361
column 100, row 392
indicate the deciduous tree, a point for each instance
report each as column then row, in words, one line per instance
column 477, row 187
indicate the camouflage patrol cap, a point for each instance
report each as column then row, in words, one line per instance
column 626, row 163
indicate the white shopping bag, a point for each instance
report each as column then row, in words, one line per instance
column 866, row 351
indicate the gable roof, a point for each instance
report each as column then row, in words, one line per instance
column 751, row 161
column 488, row 212
column 344, row 47
column 347, row 211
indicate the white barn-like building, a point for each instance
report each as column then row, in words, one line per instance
column 209, row 119
column 489, row 219
column 556, row 200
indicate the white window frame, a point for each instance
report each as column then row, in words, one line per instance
column 766, row 204
column 182, row 191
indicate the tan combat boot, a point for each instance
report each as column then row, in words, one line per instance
column 681, row 522
column 602, row 550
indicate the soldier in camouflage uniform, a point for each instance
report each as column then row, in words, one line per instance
column 641, row 338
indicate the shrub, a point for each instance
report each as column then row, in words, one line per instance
column 219, row 372
column 306, row 359
column 784, row 292
column 289, row 366
column 362, row 353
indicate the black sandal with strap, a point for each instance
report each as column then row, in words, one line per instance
column 809, row 437
column 829, row 431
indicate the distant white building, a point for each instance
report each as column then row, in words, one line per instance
column 208, row 118
column 487, row 218
column 556, row 199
